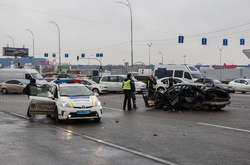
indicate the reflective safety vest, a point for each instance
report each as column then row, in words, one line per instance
column 127, row 85
column 154, row 86
column 167, row 84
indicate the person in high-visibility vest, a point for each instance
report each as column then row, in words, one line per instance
column 128, row 87
column 151, row 85
column 170, row 82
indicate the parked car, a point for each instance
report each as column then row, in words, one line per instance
column 210, row 82
column 161, row 85
column 240, row 85
column 114, row 83
column 94, row 87
column 13, row 86
column 96, row 79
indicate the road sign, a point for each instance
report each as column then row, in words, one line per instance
column 101, row 54
column 82, row 55
column 97, row 54
column 181, row 39
column 225, row 42
column 66, row 55
column 204, row 41
column 242, row 41
column 46, row 55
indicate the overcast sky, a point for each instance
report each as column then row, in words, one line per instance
column 93, row 26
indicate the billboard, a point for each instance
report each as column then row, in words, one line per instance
column 15, row 52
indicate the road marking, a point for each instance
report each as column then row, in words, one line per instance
column 113, row 109
column 224, row 127
column 138, row 153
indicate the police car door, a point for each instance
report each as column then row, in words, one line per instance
column 41, row 101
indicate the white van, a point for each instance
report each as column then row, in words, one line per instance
column 8, row 74
column 187, row 72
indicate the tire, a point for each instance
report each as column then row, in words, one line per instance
column 95, row 90
column 4, row 91
column 56, row 116
column 28, row 113
column 160, row 89
column 97, row 119
column 243, row 92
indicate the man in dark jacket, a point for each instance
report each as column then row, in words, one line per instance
column 151, row 85
column 133, row 94
column 128, row 86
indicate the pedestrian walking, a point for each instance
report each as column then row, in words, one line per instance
column 127, row 89
column 151, row 85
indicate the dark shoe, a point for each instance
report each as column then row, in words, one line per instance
column 135, row 107
column 129, row 109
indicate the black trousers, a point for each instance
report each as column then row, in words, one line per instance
column 127, row 99
column 151, row 93
column 134, row 99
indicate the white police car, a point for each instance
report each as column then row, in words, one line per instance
column 65, row 101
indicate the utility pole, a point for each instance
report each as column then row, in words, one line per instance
column 59, row 42
column 33, row 41
column 128, row 4
column 184, row 57
column 220, row 53
column 149, row 53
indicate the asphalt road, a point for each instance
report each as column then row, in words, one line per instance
column 144, row 136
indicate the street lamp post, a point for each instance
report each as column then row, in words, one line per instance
column 162, row 58
column 149, row 53
column 33, row 41
column 13, row 42
column 220, row 50
column 128, row 4
column 184, row 57
column 59, row 42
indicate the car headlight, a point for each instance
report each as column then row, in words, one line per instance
column 98, row 103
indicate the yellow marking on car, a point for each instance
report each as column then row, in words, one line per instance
column 70, row 102
column 92, row 100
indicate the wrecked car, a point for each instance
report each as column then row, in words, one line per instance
column 189, row 96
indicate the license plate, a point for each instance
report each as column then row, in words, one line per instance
column 83, row 112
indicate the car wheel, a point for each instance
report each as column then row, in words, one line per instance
column 4, row 91
column 95, row 90
column 161, row 90
column 97, row 119
column 56, row 116
column 243, row 92
column 28, row 113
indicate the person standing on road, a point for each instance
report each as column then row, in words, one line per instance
column 133, row 92
column 127, row 89
column 151, row 85
column 170, row 82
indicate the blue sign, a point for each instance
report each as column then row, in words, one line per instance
column 83, row 55
column 204, row 41
column 225, row 42
column 242, row 41
column 97, row 54
column 101, row 54
column 46, row 55
column 66, row 55
column 181, row 39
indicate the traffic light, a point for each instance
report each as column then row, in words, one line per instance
column 77, row 58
